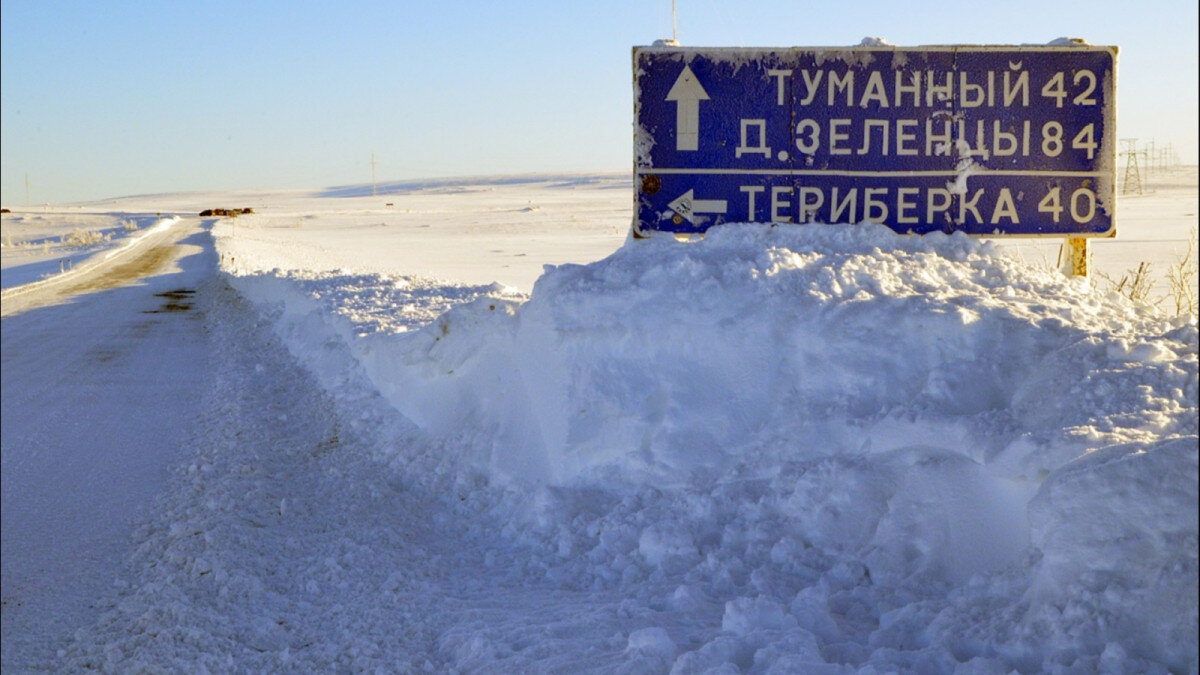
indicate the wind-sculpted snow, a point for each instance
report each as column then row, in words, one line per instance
column 796, row 448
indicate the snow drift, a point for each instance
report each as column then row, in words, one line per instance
column 840, row 445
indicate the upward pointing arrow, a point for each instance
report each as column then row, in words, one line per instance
column 687, row 94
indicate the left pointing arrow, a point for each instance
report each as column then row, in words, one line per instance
column 687, row 94
column 687, row 206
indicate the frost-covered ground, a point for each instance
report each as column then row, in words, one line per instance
column 817, row 449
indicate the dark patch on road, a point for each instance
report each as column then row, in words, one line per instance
column 178, row 300
column 170, row 307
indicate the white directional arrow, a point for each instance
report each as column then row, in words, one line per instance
column 687, row 94
column 687, row 206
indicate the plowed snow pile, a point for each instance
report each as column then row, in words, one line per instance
column 787, row 447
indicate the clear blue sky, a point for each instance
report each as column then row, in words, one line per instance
column 105, row 99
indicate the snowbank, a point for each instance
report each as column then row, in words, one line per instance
column 827, row 445
column 755, row 346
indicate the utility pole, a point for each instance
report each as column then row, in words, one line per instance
column 26, row 188
column 674, row 24
column 372, row 173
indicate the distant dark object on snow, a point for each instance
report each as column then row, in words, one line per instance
column 5, row 211
column 232, row 213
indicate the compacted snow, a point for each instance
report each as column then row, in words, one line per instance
column 776, row 449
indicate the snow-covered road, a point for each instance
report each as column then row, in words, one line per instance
column 102, row 381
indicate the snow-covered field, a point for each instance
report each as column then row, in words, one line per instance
column 463, row 425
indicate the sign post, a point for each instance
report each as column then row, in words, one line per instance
column 990, row 141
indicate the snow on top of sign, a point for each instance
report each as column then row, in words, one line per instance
column 1068, row 42
column 850, row 55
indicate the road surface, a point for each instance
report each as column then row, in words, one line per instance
column 102, row 374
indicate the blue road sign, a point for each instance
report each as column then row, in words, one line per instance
column 984, row 140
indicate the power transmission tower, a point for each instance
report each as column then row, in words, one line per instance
column 1132, row 174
